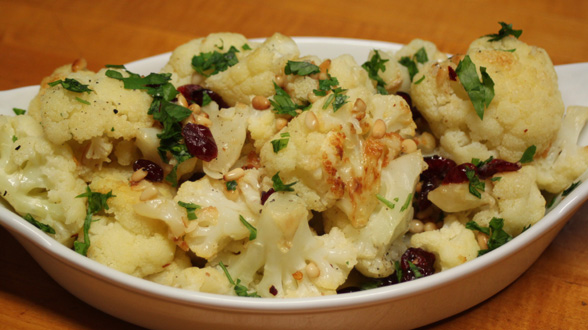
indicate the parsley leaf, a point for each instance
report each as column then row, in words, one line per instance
column 571, row 188
column 239, row 288
column 190, row 209
column 14, row 138
column 505, row 30
column 278, row 185
column 421, row 56
column 528, row 154
column 211, row 63
column 246, row 47
column 282, row 103
column 82, row 101
column 71, row 85
column 475, row 185
column 410, row 64
column 337, row 98
column 19, row 112
column 281, row 143
column 415, row 270
column 44, row 227
column 252, row 230
column 407, row 203
column 497, row 236
column 96, row 202
column 480, row 93
column 301, row 68
column 231, row 185
column 375, row 64
column 386, row 202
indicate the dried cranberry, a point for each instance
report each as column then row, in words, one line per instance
column 200, row 141
column 266, row 194
column 195, row 94
column 452, row 73
column 457, row 174
column 494, row 166
column 349, row 289
column 273, row 290
column 432, row 178
column 154, row 171
column 422, row 260
column 415, row 112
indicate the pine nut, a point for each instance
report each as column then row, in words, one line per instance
column 429, row 226
column 280, row 80
column 79, row 64
column 182, row 100
column 482, row 240
column 324, row 67
column 195, row 108
column 311, row 121
column 149, row 193
column 416, row 226
column 359, row 106
column 312, row 270
column 408, row 146
column 379, row 129
column 281, row 123
column 202, row 120
column 234, row 174
column 138, row 175
column 260, row 103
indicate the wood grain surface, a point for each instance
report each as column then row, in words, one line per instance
column 38, row 36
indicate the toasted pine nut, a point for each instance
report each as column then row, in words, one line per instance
column 311, row 121
column 429, row 226
column 79, row 64
column 182, row 100
column 359, row 105
column 408, row 146
column 312, row 270
column 203, row 120
column 260, row 102
column 416, row 226
column 281, row 123
column 138, row 175
column 280, row 80
column 149, row 193
column 324, row 67
column 379, row 129
column 234, row 174
column 482, row 240
column 195, row 108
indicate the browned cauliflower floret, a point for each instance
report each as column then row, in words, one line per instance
column 526, row 110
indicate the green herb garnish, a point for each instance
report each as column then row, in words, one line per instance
column 231, row 185
column 336, row 98
column 71, row 85
column 252, row 230
column 406, row 203
column 96, row 202
column 505, row 30
column 278, row 185
column 386, row 202
column 475, row 185
column 497, row 236
column 301, row 68
column 373, row 66
column 480, row 93
column 190, row 209
column 282, row 103
column 411, row 62
column 415, row 270
column 281, row 143
column 211, row 63
column 82, row 101
column 571, row 188
column 528, row 154
column 239, row 288
column 19, row 112
column 44, row 227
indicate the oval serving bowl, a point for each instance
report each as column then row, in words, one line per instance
column 401, row 306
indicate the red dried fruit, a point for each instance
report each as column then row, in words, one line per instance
column 195, row 94
column 423, row 261
column 200, row 141
column 154, row 171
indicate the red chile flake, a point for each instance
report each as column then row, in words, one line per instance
column 199, row 141
column 452, row 73
column 273, row 290
column 154, row 171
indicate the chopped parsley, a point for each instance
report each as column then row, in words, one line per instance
column 386, row 202
column 96, row 202
column 82, row 101
column 407, row 203
column 71, row 85
column 398, row 271
column 415, row 270
column 231, row 185
column 505, row 30
column 281, row 143
column 190, row 209
column 411, row 62
column 239, row 288
column 301, row 68
column 278, row 185
column 44, row 227
column 497, row 236
column 420, row 80
column 252, row 230
column 169, row 114
column 571, row 188
column 481, row 93
column 475, row 185
column 282, row 103
column 528, row 155
column 19, row 112
column 373, row 66
column 14, row 138
column 211, row 63
column 246, row 47
column 336, row 98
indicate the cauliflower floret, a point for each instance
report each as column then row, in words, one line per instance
column 375, row 241
column 526, row 110
column 565, row 161
column 123, row 239
column 93, row 125
column 453, row 244
column 515, row 198
column 287, row 259
column 256, row 72
column 180, row 62
column 39, row 177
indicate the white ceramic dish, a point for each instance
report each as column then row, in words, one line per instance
column 405, row 305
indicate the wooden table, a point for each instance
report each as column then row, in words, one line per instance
column 38, row 36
